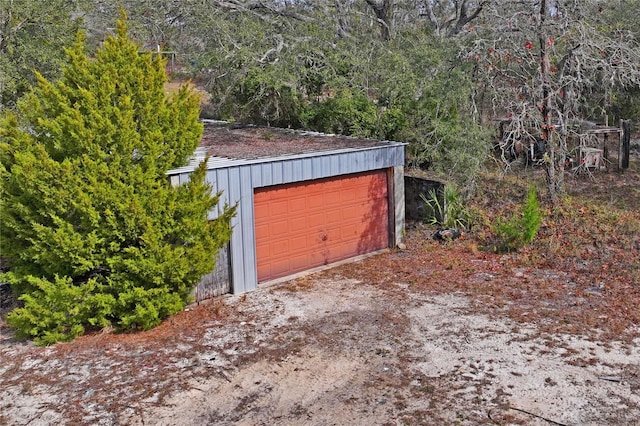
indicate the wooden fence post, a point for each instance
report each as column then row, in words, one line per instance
column 625, row 145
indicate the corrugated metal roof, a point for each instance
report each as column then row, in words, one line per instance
column 229, row 145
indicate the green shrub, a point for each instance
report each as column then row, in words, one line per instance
column 447, row 208
column 94, row 233
column 262, row 97
column 348, row 112
column 521, row 228
column 58, row 310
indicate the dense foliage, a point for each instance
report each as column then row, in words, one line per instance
column 94, row 233
column 434, row 74
column 369, row 69
column 32, row 36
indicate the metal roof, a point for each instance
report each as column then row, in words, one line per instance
column 229, row 145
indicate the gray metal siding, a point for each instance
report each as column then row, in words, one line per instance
column 281, row 171
column 222, row 180
column 248, row 231
column 238, row 179
column 237, row 246
column 398, row 195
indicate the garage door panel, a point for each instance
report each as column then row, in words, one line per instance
column 263, row 218
column 352, row 214
column 315, row 202
column 324, row 221
column 299, row 224
column 348, row 232
column 281, row 248
column 297, row 205
column 333, row 216
column 264, row 270
column 347, row 194
column 263, row 251
column 299, row 244
column 332, row 198
column 299, row 262
column 315, row 220
column 279, row 267
column 262, row 230
column 279, row 229
column 278, row 208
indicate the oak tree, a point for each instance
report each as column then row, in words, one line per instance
column 32, row 36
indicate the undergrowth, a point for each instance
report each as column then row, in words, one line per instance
column 522, row 227
column 447, row 208
column 586, row 233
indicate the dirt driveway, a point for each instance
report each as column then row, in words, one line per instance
column 332, row 349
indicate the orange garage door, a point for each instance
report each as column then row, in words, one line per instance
column 308, row 224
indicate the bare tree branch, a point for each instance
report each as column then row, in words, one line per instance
column 382, row 10
column 253, row 5
column 464, row 18
column 449, row 18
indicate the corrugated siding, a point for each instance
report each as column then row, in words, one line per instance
column 217, row 282
column 399, row 203
column 237, row 180
column 250, row 273
column 299, row 169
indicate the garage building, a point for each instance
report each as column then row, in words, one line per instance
column 304, row 200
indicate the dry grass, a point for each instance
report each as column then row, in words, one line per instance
column 581, row 274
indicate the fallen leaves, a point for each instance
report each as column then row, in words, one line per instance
column 581, row 275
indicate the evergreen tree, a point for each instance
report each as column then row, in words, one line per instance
column 94, row 233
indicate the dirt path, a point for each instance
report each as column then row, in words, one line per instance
column 326, row 350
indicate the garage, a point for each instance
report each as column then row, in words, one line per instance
column 304, row 225
column 304, row 200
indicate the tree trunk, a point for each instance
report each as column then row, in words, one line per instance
column 341, row 14
column 555, row 179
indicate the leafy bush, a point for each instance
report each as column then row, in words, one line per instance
column 447, row 208
column 521, row 228
column 94, row 233
column 346, row 113
column 261, row 97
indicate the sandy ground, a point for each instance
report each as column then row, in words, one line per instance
column 327, row 350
